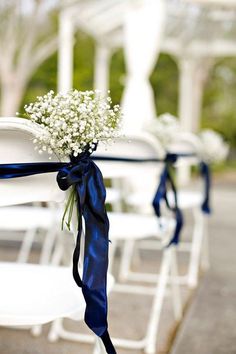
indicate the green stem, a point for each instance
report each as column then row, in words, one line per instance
column 69, row 209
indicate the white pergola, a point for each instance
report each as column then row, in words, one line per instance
column 193, row 31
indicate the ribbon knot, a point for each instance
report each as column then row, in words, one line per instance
column 171, row 157
column 73, row 173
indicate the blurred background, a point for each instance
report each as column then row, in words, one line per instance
column 198, row 42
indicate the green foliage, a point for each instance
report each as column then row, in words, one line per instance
column 117, row 76
column 83, row 62
column 45, row 78
column 219, row 102
column 164, row 81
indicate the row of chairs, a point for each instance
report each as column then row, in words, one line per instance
column 132, row 225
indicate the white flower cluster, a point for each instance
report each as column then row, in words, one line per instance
column 74, row 122
column 165, row 128
column 213, row 147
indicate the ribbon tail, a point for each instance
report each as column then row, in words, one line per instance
column 76, row 253
column 108, row 343
column 160, row 193
column 178, row 227
column 178, row 213
column 205, row 172
column 96, row 257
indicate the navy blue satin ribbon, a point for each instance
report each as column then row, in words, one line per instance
column 161, row 194
column 206, row 174
column 82, row 173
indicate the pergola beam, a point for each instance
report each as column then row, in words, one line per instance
column 196, row 48
column 230, row 3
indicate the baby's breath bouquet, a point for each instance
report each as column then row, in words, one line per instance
column 213, row 148
column 73, row 123
column 165, row 128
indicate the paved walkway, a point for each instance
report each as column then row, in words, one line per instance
column 209, row 326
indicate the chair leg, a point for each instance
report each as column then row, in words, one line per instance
column 126, row 258
column 57, row 255
column 112, row 251
column 36, row 331
column 48, row 246
column 99, row 347
column 26, row 246
column 175, row 287
column 196, row 247
column 205, row 261
column 152, row 329
column 54, row 332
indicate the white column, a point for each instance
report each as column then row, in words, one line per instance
column 102, row 68
column 190, row 94
column 186, row 93
column 65, row 52
column 193, row 74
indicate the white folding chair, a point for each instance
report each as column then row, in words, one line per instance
column 130, row 227
column 33, row 294
column 187, row 200
column 192, row 200
column 134, row 226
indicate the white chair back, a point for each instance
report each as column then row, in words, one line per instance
column 186, row 143
column 16, row 146
column 133, row 146
column 136, row 176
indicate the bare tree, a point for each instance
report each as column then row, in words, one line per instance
column 27, row 38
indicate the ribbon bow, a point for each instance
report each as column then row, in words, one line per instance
column 84, row 174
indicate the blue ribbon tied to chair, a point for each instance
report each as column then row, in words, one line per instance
column 206, row 174
column 161, row 194
column 82, row 173
column 165, row 180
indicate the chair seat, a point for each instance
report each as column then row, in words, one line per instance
column 186, row 199
column 27, row 217
column 33, row 294
column 132, row 226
